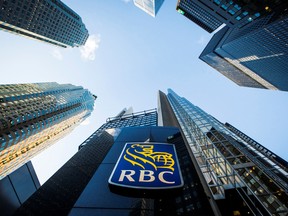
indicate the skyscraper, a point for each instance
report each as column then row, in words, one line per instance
column 251, row 49
column 50, row 21
column 149, row 6
column 232, row 163
column 211, row 14
column 227, row 69
column 81, row 185
column 34, row 116
column 254, row 55
column 224, row 171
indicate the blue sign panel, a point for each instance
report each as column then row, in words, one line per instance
column 147, row 166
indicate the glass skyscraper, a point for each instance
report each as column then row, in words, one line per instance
column 211, row 14
column 225, row 172
column 50, row 21
column 149, row 6
column 251, row 49
column 229, row 161
column 253, row 56
column 34, row 116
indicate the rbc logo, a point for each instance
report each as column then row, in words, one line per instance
column 147, row 166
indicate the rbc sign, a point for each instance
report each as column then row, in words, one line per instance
column 147, row 166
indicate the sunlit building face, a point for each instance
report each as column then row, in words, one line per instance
column 35, row 116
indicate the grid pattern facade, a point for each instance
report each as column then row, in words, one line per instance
column 45, row 20
column 252, row 56
column 257, row 24
column 263, row 51
column 199, row 15
column 192, row 200
column 149, row 6
column 58, row 195
column 228, row 162
column 138, row 119
column 225, row 67
column 275, row 158
column 211, row 14
column 34, row 116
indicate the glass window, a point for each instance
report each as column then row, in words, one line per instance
column 224, row 7
column 245, row 13
column 237, row 6
column 231, row 12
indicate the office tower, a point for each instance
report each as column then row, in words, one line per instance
column 34, row 116
column 149, row 6
column 49, row 21
column 252, row 56
column 251, row 49
column 81, row 185
column 211, row 14
column 16, row 188
column 232, row 163
column 224, row 171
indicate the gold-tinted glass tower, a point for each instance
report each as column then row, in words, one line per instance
column 34, row 116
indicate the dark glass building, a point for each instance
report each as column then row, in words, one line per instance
column 251, row 49
column 254, row 55
column 50, row 21
column 16, row 188
column 211, row 14
column 81, row 187
column 35, row 116
column 238, row 171
column 224, row 171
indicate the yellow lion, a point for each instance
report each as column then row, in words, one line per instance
column 143, row 154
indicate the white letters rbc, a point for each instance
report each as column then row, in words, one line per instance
column 144, row 176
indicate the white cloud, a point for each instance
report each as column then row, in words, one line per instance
column 126, row 1
column 57, row 54
column 89, row 49
column 202, row 40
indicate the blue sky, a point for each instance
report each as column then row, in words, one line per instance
column 128, row 58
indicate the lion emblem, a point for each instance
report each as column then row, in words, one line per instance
column 143, row 154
